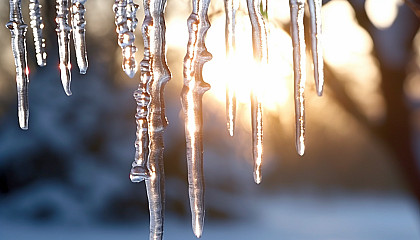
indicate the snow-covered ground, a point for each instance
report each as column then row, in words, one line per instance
column 286, row 217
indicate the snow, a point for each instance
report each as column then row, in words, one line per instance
column 339, row 217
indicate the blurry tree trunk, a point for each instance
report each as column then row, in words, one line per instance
column 414, row 5
column 396, row 130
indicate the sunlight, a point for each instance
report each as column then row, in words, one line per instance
column 242, row 73
column 382, row 13
column 348, row 49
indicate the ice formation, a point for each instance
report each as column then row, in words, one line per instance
column 78, row 24
column 63, row 34
column 230, row 10
column 18, row 30
column 191, row 99
column 150, row 116
column 126, row 22
column 260, row 48
column 37, row 26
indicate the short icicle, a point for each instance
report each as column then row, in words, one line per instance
column 150, row 117
column 18, row 31
column 230, row 10
column 63, row 34
column 37, row 26
column 259, row 42
column 316, row 44
column 79, row 31
column 126, row 22
column 191, row 99
column 298, row 39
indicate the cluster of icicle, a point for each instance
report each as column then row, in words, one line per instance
column 18, row 28
column 150, row 116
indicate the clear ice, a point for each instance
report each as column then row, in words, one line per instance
column 37, row 26
column 260, row 48
column 150, row 116
column 63, row 33
column 297, row 12
column 230, row 10
column 18, row 31
column 316, row 44
column 126, row 22
column 191, row 99
column 78, row 24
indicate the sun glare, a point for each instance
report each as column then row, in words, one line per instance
column 242, row 73
column 382, row 13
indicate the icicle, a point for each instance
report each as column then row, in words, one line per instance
column 315, row 16
column 78, row 24
column 150, row 117
column 63, row 34
column 126, row 22
column 140, row 168
column 191, row 99
column 259, row 42
column 37, row 26
column 298, row 39
column 230, row 10
column 18, row 30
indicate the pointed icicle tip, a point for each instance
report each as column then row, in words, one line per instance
column 198, row 224
column 230, row 131
column 83, row 70
column 257, row 178
column 130, row 72
column 68, row 91
column 320, row 90
column 300, row 147
column 23, row 116
column 198, row 228
column 23, row 123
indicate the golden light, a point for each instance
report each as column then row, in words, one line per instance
column 347, row 49
column 382, row 13
column 242, row 73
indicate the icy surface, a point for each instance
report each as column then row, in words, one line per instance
column 297, row 12
column 78, row 24
column 259, row 43
column 140, row 168
column 126, row 22
column 316, row 44
column 18, row 30
column 63, row 34
column 191, row 99
column 37, row 26
column 230, row 10
column 150, row 116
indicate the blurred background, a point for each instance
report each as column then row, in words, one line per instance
column 67, row 176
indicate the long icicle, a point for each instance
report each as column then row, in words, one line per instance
column 150, row 117
column 63, row 34
column 126, row 22
column 259, row 42
column 37, row 26
column 316, row 44
column 18, row 31
column 79, row 30
column 157, row 119
column 140, row 169
column 298, row 39
column 191, row 99
column 230, row 11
